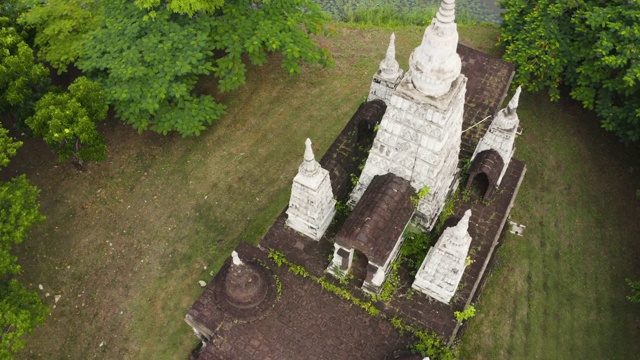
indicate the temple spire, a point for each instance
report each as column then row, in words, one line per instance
column 463, row 225
column 309, row 166
column 513, row 103
column 435, row 64
column 447, row 12
column 236, row 258
column 389, row 67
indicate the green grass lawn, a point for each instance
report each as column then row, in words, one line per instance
column 126, row 242
column 558, row 292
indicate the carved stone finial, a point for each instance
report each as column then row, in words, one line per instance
column 309, row 166
column 389, row 67
column 463, row 224
column 236, row 258
column 513, row 103
column 446, row 13
column 435, row 64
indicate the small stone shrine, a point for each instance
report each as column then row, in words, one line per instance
column 375, row 228
column 420, row 134
column 312, row 206
column 243, row 291
column 442, row 268
column 496, row 148
column 388, row 76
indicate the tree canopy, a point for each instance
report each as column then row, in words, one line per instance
column 60, row 26
column 20, row 309
column 22, row 79
column 591, row 46
column 67, row 121
column 147, row 54
column 189, row 7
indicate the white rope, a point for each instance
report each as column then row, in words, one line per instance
column 476, row 124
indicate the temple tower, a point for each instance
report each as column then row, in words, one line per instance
column 501, row 135
column 388, row 76
column 420, row 134
column 312, row 206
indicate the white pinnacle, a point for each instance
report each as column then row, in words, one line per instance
column 389, row 67
column 513, row 103
column 446, row 13
column 236, row 258
column 463, row 224
column 435, row 64
column 309, row 166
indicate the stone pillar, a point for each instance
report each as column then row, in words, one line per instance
column 388, row 76
column 442, row 268
column 420, row 134
column 312, row 206
column 341, row 261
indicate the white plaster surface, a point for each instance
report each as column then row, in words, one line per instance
column 442, row 268
column 335, row 267
column 236, row 258
column 420, row 134
column 311, row 206
column 501, row 134
column 388, row 76
column 435, row 64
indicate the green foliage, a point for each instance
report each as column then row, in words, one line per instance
column 635, row 291
column 589, row 45
column 60, row 26
column 149, row 68
column 19, row 210
column 298, row 270
column 389, row 16
column 414, row 248
column 189, row 7
column 431, row 345
column 271, row 26
column 10, row 10
column 280, row 259
column 277, row 257
column 421, row 193
column 428, row 344
column 22, row 80
column 67, row 121
column 391, row 284
column 467, row 313
column 396, row 13
column 8, row 146
column 20, row 311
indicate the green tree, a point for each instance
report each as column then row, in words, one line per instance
column 20, row 312
column 149, row 67
column 60, row 27
column 8, row 147
column 22, row 79
column 19, row 210
column 189, row 7
column 10, row 10
column 20, row 309
column 588, row 45
column 67, row 121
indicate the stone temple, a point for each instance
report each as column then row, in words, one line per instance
column 420, row 134
column 445, row 110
